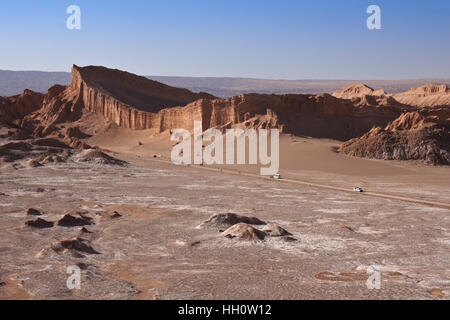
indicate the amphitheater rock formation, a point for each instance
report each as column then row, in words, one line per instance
column 138, row 103
column 383, row 122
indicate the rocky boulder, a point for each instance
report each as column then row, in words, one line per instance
column 243, row 231
column 75, row 219
column 39, row 223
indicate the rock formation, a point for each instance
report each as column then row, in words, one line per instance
column 226, row 220
column 16, row 107
column 74, row 219
column 33, row 212
column 363, row 95
column 357, row 90
column 125, row 98
column 137, row 103
column 419, row 135
column 39, row 223
column 430, row 95
column 243, row 231
column 99, row 157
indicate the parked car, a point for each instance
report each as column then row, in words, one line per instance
column 358, row 189
column 276, row 176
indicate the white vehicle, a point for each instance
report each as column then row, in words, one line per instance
column 358, row 189
column 276, row 176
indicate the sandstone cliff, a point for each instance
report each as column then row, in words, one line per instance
column 429, row 95
column 137, row 103
column 124, row 98
column 399, row 130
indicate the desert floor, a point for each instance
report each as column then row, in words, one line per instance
column 155, row 249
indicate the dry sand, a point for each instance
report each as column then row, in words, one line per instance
column 309, row 160
column 155, row 248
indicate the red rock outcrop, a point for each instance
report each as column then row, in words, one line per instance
column 419, row 135
column 59, row 105
column 16, row 107
column 122, row 97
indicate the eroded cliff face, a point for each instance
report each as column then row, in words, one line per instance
column 419, row 135
column 131, row 101
column 106, row 92
column 137, row 103
column 128, row 100
column 60, row 104
column 387, row 128
column 16, row 107
column 109, row 93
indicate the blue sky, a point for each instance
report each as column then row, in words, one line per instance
column 276, row 39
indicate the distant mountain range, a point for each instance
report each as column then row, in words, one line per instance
column 14, row 82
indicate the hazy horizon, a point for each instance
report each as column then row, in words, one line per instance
column 241, row 77
column 14, row 82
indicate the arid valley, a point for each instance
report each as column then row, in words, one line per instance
column 86, row 180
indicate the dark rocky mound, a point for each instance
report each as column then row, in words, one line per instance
column 75, row 219
column 39, row 223
column 99, row 157
column 420, row 135
column 50, row 142
column 13, row 151
column 50, row 150
column 84, row 230
column 225, row 220
column 33, row 212
column 74, row 244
